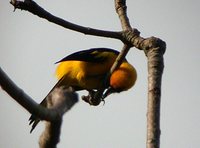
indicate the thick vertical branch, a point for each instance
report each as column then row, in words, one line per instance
column 154, row 94
column 154, row 49
column 155, row 70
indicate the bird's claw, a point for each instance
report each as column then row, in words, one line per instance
column 94, row 98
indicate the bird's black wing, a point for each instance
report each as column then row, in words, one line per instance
column 90, row 55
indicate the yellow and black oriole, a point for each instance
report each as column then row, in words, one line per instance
column 87, row 69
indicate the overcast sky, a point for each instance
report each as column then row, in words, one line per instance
column 29, row 47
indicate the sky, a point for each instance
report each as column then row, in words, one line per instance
column 29, row 47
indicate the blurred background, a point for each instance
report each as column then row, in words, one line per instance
column 29, row 47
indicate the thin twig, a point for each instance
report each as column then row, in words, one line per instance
column 119, row 59
column 120, row 7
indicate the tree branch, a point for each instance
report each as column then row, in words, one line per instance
column 27, row 102
column 50, row 136
column 127, row 36
column 35, row 9
column 154, row 49
column 155, row 70
column 58, row 102
column 120, row 7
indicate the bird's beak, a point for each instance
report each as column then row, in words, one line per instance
column 109, row 91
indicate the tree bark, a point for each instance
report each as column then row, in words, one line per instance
column 155, row 70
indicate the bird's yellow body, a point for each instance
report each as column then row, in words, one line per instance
column 81, row 77
column 89, row 74
column 87, row 70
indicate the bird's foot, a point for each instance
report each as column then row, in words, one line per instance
column 93, row 98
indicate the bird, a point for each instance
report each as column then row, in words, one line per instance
column 87, row 70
